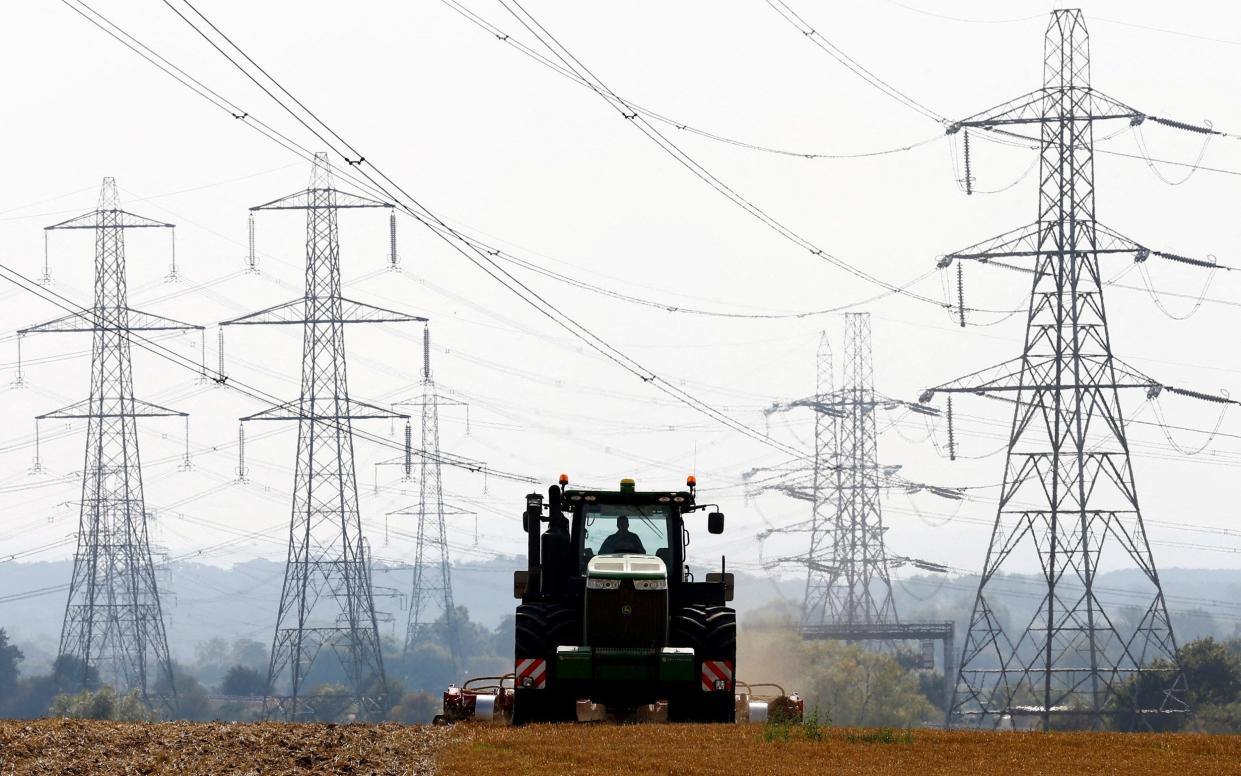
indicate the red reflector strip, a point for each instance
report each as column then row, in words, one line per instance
column 531, row 672
column 717, row 675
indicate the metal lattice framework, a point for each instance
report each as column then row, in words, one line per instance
column 848, row 578
column 113, row 619
column 327, row 599
column 824, row 482
column 861, row 591
column 431, row 612
column 1068, row 499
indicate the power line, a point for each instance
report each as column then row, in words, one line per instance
column 503, row 37
column 569, row 60
column 394, row 192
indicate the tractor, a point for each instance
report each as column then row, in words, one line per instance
column 612, row 621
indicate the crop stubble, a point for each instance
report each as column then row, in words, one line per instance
column 694, row 750
column 82, row 748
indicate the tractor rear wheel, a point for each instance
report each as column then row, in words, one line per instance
column 711, row 631
column 540, row 628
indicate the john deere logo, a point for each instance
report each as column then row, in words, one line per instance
column 626, row 609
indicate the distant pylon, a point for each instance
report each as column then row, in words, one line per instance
column 1068, row 502
column 327, row 599
column 848, row 576
column 431, row 601
column 825, row 488
column 113, row 619
column 861, row 586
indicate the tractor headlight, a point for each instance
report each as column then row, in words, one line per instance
column 597, row 583
column 650, row 584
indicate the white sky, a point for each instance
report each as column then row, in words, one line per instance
column 539, row 165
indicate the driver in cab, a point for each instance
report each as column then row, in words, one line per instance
column 623, row 540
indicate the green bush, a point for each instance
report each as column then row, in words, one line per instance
column 103, row 704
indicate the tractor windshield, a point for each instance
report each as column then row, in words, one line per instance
column 613, row 529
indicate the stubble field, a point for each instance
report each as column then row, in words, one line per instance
column 80, row 748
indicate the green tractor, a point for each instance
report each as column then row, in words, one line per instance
column 612, row 621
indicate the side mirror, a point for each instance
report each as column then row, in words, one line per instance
column 521, row 583
column 725, row 579
column 715, row 523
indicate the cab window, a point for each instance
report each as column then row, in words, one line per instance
column 614, row 529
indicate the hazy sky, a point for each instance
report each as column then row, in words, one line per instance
column 532, row 162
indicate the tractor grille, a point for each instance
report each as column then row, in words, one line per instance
column 626, row 617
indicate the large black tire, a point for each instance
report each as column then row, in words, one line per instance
column 711, row 631
column 540, row 629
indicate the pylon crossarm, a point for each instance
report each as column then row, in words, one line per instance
column 124, row 220
column 334, row 408
column 1019, row 110
column 977, row 382
column 832, row 406
column 294, row 312
column 1031, row 108
column 449, row 511
column 112, row 407
column 1029, row 240
column 90, row 320
column 310, row 199
column 1026, row 241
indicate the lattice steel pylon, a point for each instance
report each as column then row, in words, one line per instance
column 861, row 593
column 848, row 578
column 113, row 618
column 1068, row 500
column 431, row 602
column 327, row 598
column 824, row 494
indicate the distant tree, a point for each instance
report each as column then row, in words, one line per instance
column 186, row 695
column 71, row 674
column 418, row 707
column 1212, row 672
column 1213, row 675
column 211, row 659
column 10, row 656
column 249, row 653
column 103, row 703
column 243, row 681
column 1224, row 718
column 330, row 703
column 861, row 687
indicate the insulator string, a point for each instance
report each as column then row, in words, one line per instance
column 969, row 178
column 47, row 270
column 952, row 438
column 241, row 452
column 961, row 292
column 252, row 260
column 19, row 378
column 393, row 260
column 220, row 345
column 409, row 451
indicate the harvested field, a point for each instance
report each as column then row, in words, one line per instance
column 84, row 747
column 684, row 750
column 81, row 747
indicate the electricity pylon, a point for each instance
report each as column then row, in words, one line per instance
column 848, row 577
column 825, row 484
column 327, row 599
column 432, row 584
column 113, row 619
column 1068, row 501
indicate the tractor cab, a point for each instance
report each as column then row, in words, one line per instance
column 585, row 525
column 611, row 613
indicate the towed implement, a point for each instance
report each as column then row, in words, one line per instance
column 486, row 699
column 612, row 622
